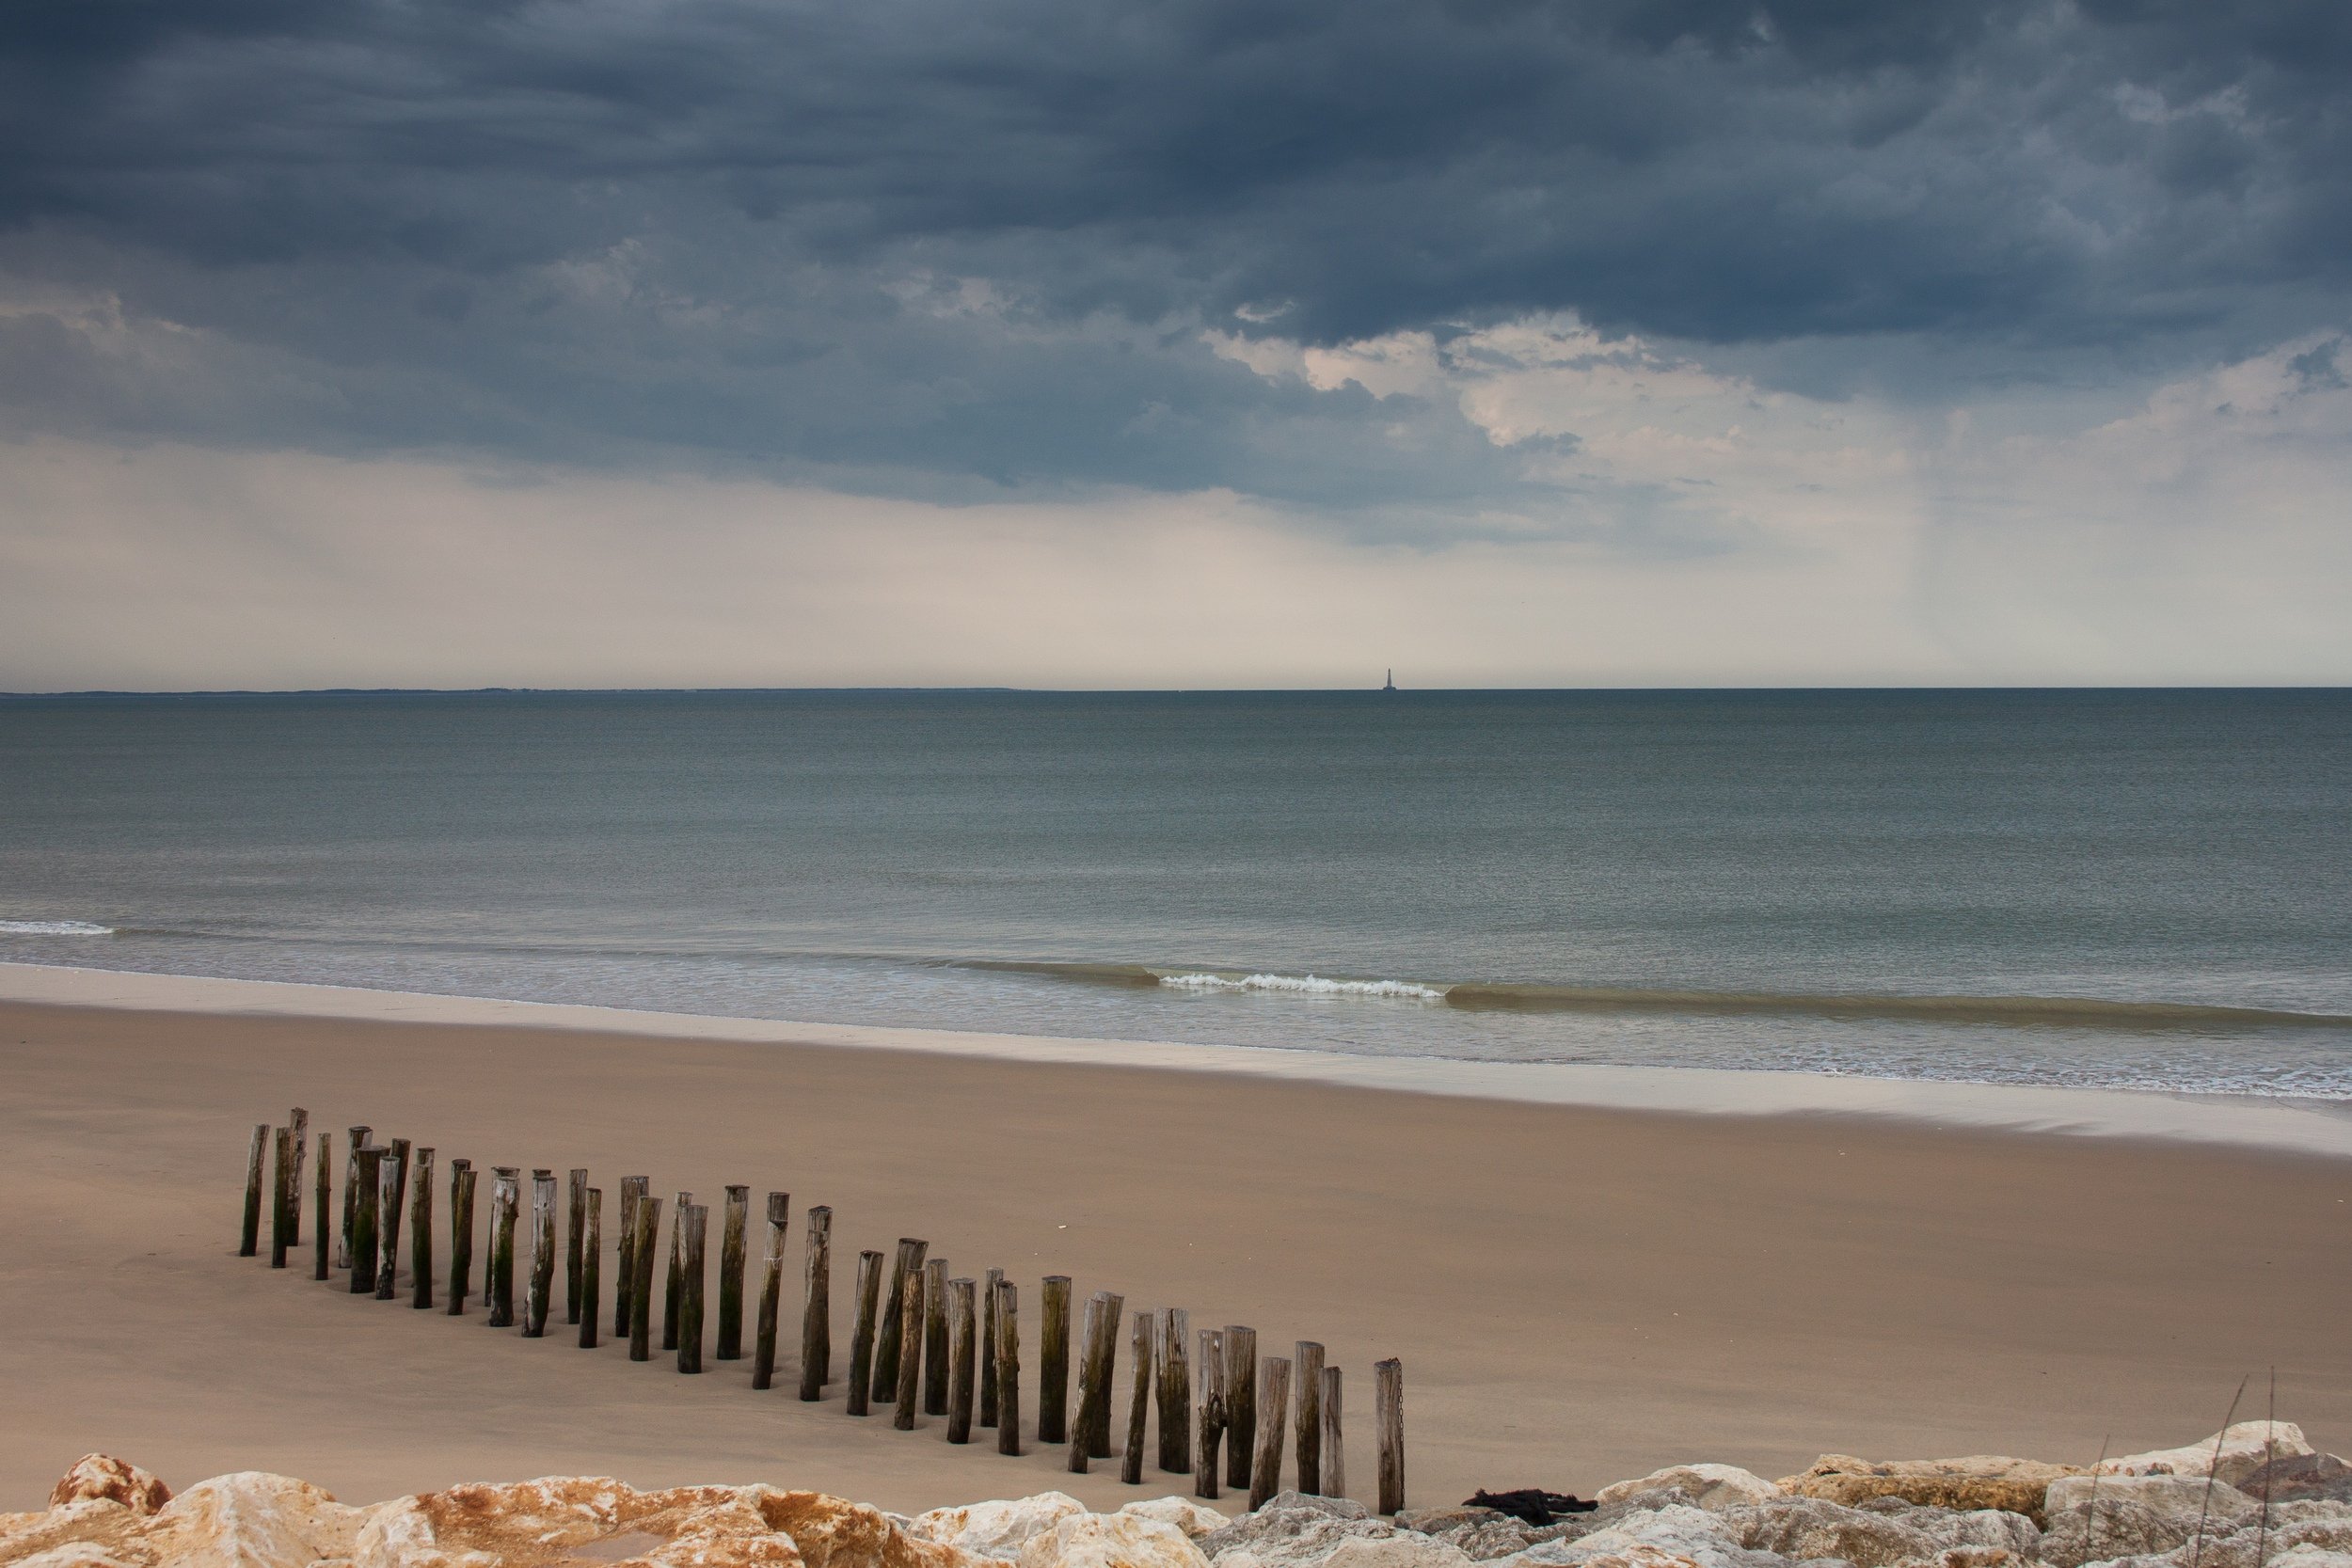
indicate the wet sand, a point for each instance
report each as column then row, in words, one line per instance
column 1577, row 1293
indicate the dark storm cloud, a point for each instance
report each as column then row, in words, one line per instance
column 592, row 230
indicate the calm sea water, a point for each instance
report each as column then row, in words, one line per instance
column 2141, row 889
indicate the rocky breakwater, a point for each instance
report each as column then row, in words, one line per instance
column 2254, row 1496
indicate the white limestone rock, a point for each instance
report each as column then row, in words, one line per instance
column 2243, row 1448
column 1195, row 1519
column 1111, row 1540
column 1810, row 1529
column 996, row 1528
column 1712, row 1487
column 1692, row 1534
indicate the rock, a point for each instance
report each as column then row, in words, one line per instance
column 1983, row 1530
column 1976, row 1481
column 997, row 1528
column 833, row 1533
column 98, row 1476
column 1111, row 1540
column 1807, row 1527
column 1195, row 1519
column 1688, row 1534
column 2176, row 1499
column 1708, row 1486
column 1433, row 1521
column 2244, row 1448
column 1292, row 1530
column 2300, row 1477
column 1405, row 1549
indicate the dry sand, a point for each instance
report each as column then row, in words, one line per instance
column 1579, row 1294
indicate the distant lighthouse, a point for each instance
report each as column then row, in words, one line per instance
column 1391, row 683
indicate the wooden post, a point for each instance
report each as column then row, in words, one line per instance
column 677, row 1278
column 1082, row 1427
column 633, row 1189
column 1274, row 1411
column 420, row 1234
column 539, row 1294
column 590, row 1267
column 1139, row 1400
column 300, row 1120
column 249, row 1239
column 391, row 1189
column 1096, row 1373
column 355, row 1140
column 736, row 1221
column 1212, row 1430
column 886, row 1346
column 324, row 1238
column 862, row 1333
column 1008, row 1368
column 696, row 1227
column 989, row 1282
column 910, row 1389
column 1307, row 1371
column 1175, row 1391
column 366, row 1168
column 817, row 1314
column 1052, row 1360
column 1334, row 1440
column 647, row 1229
column 963, row 1336
column 1241, row 1402
column 461, row 1184
column 770, row 1290
column 935, row 1337
column 1388, row 1414
column 281, row 1195
column 505, row 1198
column 575, row 1243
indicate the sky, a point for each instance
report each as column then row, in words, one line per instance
column 1190, row 343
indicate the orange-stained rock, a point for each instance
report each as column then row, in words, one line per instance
column 1978, row 1481
column 832, row 1532
column 102, row 1475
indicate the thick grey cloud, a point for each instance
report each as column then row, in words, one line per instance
column 614, row 231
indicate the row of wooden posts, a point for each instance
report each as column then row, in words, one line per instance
column 920, row 1344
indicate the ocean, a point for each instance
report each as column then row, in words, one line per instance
column 2142, row 888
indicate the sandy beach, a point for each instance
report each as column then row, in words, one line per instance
column 1578, row 1293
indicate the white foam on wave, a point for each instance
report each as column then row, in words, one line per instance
column 1306, row 985
column 54, row 929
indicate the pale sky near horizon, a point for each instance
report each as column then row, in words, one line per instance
column 686, row 342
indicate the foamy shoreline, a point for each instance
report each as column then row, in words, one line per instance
column 2308, row 1127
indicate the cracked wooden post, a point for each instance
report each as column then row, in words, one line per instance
column 420, row 1234
column 300, row 1120
column 816, row 1311
column 1241, row 1402
column 505, row 1198
column 1175, row 1391
column 646, row 1226
column 886, row 1346
column 1388, row 1414
column 1215, row 1414
column 676, row 1277
column 575, row 1242
column 1096, row 1372
column 357, row 1139
column 935, row 1337
column 1139, row 1400
column 1334, row 1440
column 989, row 1282
column 964, row 1337
column 695, row 1226
column 461, row 1188
column 862, row 1333
column 249, row 1237
column 391, row 1192
column 281, row 1194
column 633, row 1189
column 1307, row 1371
column 910, row 1388
column 1082, row 1425
column 539, row 1294
column 1274, row 1410
column 1008, row 1357
column 324, row 1241
column 733, row 1225
column 366, row 1168
column 591, row 1266
column 770, row 1290
column 1052, row 1360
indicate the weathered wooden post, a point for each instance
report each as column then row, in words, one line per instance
column 461, row 1186
column 505, row 1201
column 647, row 1230
column 1388, row 1414
column 677, row 1272
column 1274, row 1412
column 249, row 1239
column 862, row 1333
column 1008, row 1368
column 989, row 1282
column 1307, row 1371
column 367, row 1168
column 962, row 1332
column 324, row 1238
column 283, row 1190
column 1139, row 1400
column 575, row 1243
column 355, row 1140
column 910, row 1389
column 1213, row 1414
column 935, row 1337
column 1334, row 1440
column 1241, row 1402
column 1097, row 1371
column 734, row 1223
column 909, row 1259
column 1052, row 1360
column 420, row 1234
column 816, row 1313
column 1082, row 1429
column 591, row 1268
column 633, row 1189
column 770, row 1290
column 391, row 1190
column 539, row 1294
column 696, row 1227
column 1175, row 1391
column 300, row 1120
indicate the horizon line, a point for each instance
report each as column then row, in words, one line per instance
column 68, row 693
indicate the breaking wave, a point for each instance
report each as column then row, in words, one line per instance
column 1305, row 985
column 54, row 929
